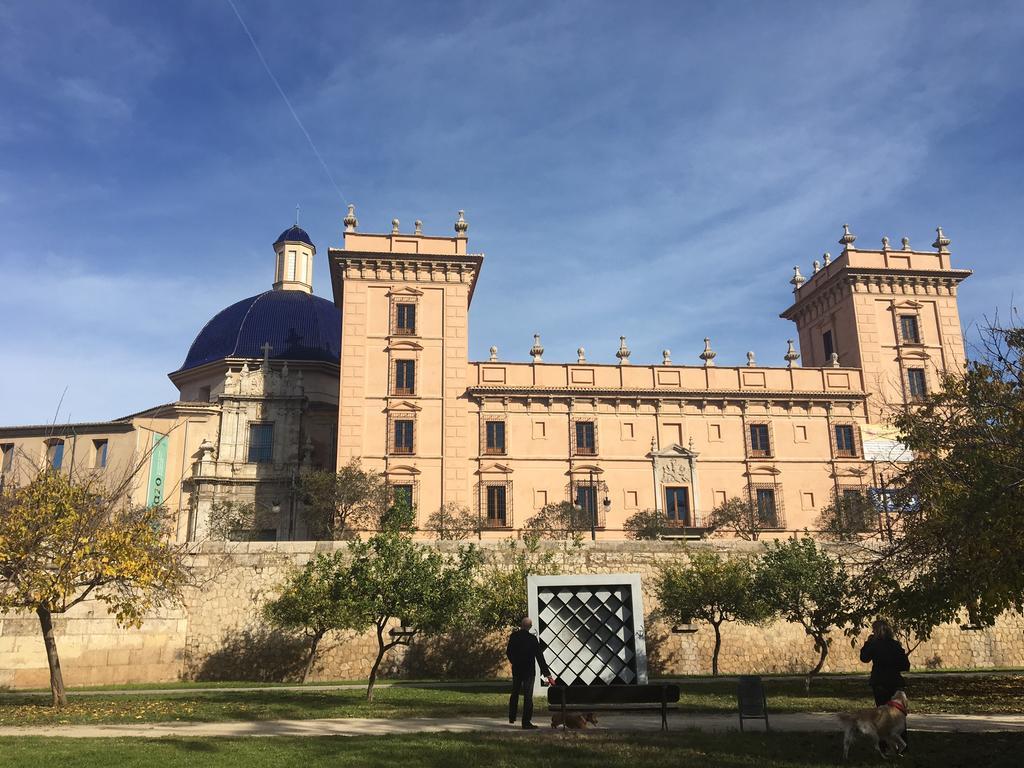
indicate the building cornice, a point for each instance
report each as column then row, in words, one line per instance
column 816, row 298
column 405, row 267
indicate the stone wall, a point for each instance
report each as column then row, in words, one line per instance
column 217, row 633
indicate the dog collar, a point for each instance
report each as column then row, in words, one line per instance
column 898, row 706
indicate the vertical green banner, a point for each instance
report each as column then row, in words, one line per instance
column 157, row 470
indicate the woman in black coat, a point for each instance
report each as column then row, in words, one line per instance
column 888, row 660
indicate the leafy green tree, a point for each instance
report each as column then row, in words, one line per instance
column 307, row 603
column 849, row 517
column 453, row 522
column 391, row 577
column 958, row 527
column 647, row 525
column 711, row 588
column 65, row 538
column 804, row 584
column 501, row 591
column 337, row 504
column 738, row 516
column 561, row 520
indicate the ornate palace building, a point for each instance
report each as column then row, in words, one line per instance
column 283, row 382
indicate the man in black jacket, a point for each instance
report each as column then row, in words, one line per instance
column 524, row 652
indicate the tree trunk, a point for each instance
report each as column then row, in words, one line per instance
column 60, row 697
column 312, row 655
column 381, row 650
column 718, row 647
column 821, row 646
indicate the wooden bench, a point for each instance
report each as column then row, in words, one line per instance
column 657, row 697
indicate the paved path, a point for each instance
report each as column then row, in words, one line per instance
column 814, row 722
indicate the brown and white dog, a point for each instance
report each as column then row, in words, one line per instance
column 576, row 720
column 884, row 723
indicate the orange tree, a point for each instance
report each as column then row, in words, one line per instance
column 64, row 539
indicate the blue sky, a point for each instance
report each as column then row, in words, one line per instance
column 647, row 169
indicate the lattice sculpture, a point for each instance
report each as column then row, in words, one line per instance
column 592, row 627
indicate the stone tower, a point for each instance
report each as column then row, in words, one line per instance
column 890, row 312
column 404, row 358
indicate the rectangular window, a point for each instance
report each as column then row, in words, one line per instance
column 496, row 506
column 826, row 342
column 6, row 457
column 403, row 436
column 401, row 496
column 586, row 500
column 585, row 443
column 915, row 380
column 760, row 443
column 405, row 319
column 495, row 437
column 909, row 330
column 99, row 453
column 54, row 453
column 767, row 513
column 290, row 269
column 261, row 443
column 405, row 377
column 677, row 504
column 845, row 445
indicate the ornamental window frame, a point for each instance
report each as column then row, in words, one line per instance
column 600, row 491
column 912, row 396
column 400, row 481
column 780, row 510
column 394, row 389
column 856, row 450
column 759, row 454
column 574, row 448
column 407, row 297
column 909, row 314
column 483, row 511
column 393, row 418
column 485, row 420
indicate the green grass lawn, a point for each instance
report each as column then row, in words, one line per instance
column 541, row 749
column 973, row 694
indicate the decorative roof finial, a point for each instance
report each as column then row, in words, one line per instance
column 906, row 243
column 537, row 351
column 350, row 221
column 581, row 355
column 751, row 362
column 828, row 258
column 791, row 354
column 885, row 242
column 941, row 241
column 708, row 355
column 394, row 226
column 848, row 237
column 494, row 355
column 623, row 353
column 797, row 280
column 461, row 225
column 666, row 357
column 419, row 227
column 816, row 266
column 833, row 360
column 296, row 215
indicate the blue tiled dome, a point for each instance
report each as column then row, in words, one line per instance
column 294, row 234
column 298, row 326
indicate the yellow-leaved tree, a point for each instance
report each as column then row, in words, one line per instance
column 65, row 538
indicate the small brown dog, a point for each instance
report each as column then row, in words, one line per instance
column 576, row 720
column 884, row 723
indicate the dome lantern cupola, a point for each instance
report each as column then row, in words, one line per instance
column 293, row 266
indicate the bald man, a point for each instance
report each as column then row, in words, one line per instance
column 524, row 652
